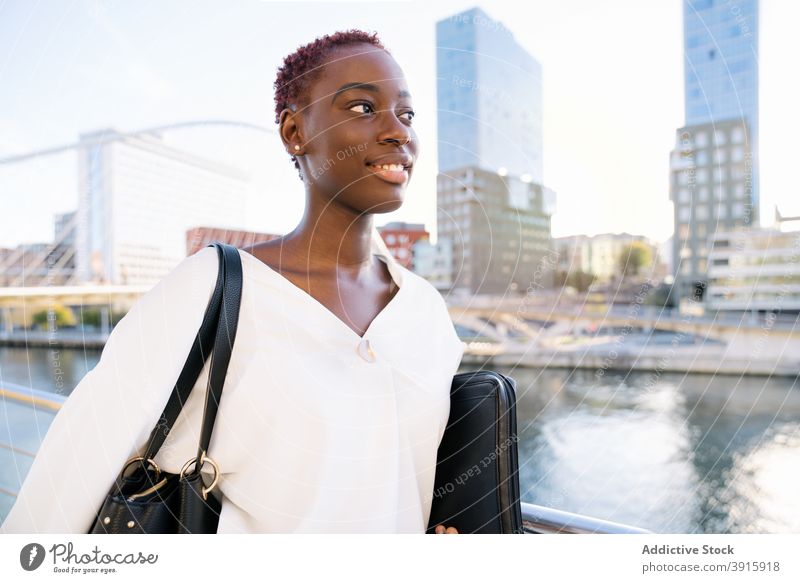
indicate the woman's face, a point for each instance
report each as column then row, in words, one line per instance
column 358, row 119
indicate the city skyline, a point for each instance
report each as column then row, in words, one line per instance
column 147, row 77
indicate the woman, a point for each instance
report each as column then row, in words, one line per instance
column 337, row 393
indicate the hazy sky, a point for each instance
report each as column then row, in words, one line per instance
column 612, row 77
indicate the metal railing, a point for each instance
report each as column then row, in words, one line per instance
column 26, row 396
column 544, row 520
column 31, row 397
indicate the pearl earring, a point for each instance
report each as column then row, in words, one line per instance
column 296, row 147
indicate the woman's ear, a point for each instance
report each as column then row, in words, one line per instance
column 290, row 132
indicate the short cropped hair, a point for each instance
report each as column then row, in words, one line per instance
column 302, row 68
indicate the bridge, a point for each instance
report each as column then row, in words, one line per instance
column 509, row 332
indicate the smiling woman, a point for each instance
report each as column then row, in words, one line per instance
column 338, row 388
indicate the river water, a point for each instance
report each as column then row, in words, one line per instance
column 672, row 453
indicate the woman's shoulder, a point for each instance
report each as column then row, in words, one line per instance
column 195, row 273
column 176, row 302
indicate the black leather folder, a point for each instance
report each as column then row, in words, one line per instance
column 476, row 487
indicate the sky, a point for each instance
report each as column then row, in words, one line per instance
column 612, row 98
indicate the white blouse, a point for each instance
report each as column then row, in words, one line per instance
column 319, row 430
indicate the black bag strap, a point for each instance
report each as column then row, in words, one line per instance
column 229, row 267
column 223, row 343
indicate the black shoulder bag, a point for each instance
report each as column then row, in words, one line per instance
column 154, row 502
column 476, row 487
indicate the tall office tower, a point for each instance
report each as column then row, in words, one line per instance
column 714, row 166
column 137, row 199
column 492, row 204
column 489, row 97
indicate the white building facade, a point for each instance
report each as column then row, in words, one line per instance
column 138, row 197
column 754, row 270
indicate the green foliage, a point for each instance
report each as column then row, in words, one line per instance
column 580, row 280
column 91, row 317
column 62, row 315
column 662, row 297
column 634, row 258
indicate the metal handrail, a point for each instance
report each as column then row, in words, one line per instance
column 543, row 520
column 29, row 396
column 18, row 450
column 32, row 398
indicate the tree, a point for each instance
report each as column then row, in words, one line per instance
column 634, row 258
column 663, row 296
column 93, row 316
column 578, row 279
column 63, row 317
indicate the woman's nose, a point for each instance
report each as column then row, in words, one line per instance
column 394, row 130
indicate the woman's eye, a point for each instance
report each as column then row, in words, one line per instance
column 410, row 115
column 366, row 106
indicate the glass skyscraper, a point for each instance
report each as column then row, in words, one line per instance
column 489, row 94
column 720, row 39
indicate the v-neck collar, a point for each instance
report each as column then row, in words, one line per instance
column 378, row 252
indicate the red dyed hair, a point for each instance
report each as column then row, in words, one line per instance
column 302, row 68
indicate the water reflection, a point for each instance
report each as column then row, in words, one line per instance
column 56, row 370
column 672, row 453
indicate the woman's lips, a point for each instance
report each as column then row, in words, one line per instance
column 392, row 176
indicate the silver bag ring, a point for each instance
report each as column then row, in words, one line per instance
column 203, row 459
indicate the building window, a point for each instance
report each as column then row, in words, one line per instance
column 738, row 209
column 701, row 230
column 718, row 193
column 719, row 137
column 684, row 213
column 701, row 212
column 722, row 243
column 702, row 176
column 702, row 193
column 737, row 154
column 720, row 155
column 718, row 174
column 701, row 139
column 683, row 195
column 722, row 211
column 737, row 134
column 702, row 157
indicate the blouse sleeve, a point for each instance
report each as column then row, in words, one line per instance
column 108, row 417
